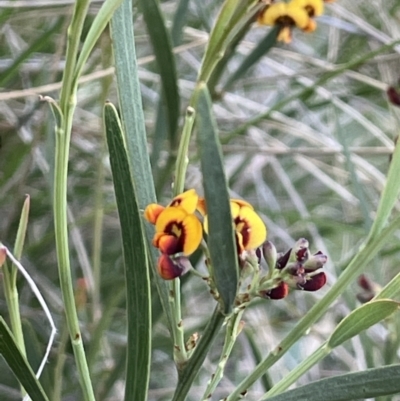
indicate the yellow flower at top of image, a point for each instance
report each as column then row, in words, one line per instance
column 314, row 8
column 285, row 16
column 297, row 13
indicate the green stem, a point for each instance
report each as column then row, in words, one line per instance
column 233, row 329
column 182, row 159
column 178, row 333
column 63, row 137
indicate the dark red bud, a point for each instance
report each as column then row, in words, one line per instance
column 365, row 283
column 393, row 95
column 315, row 282
column 282, row 260
column 302, row 254
column 279, row 292
column 172, row 267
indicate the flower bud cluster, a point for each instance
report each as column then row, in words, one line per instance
column 296, row 269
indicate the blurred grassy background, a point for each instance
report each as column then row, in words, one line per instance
column 313, row 167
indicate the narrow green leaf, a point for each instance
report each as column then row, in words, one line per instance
column 352, row 386
column 217, row 35
column 161, row 42
column 259, row 51
column 130, row 101
column 221, row 240
column 136, row 265
column 361, row 319
column 19, row 365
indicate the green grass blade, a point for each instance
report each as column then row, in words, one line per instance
column 136, row 265
column 261, row 49
column 221, row 240
column 41, row 42
column 162, row 47
column 179, row 22
column 353, row 386
column 130, row 100
column 19, row 365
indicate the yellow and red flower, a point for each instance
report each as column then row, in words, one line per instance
column 178, row 233
column 250, row 230
column 297, row 13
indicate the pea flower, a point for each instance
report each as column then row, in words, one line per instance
column 178, row 233
column 250, row 230
column 297, row 13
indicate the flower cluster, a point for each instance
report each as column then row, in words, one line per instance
column 179, row 231
column 296, row 13
column 297, row 269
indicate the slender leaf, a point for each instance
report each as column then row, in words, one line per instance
column 221, row 240
column 19, row 365
column 353, row 386
column 361, row 319
column 161, row 41
column 130, row 100
column 136, row 265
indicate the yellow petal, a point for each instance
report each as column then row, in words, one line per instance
column 298, row 14
column 242, row 202
column 169, row 216
column 314, row 8
column 251, row 227
column 186, row 200
column 272, row 14
column 235, row 209
column 192, row 234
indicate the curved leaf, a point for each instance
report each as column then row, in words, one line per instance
column 361, row 319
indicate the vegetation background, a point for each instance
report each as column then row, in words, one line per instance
column 312, row 161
